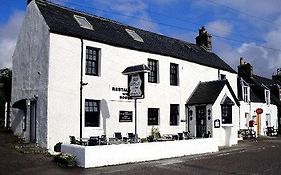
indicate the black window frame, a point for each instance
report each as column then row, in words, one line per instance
column 174, row 74
column 153, row 74
column 174, row 114
column 92, row 61
column 92, row 113
column 226, row 114
column 153, row 116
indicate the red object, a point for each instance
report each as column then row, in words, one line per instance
column 259, row 111
column 251, row 123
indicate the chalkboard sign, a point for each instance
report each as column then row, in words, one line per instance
column 125, row 116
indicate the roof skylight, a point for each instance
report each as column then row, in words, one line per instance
column 134, row 35
column 83, row 22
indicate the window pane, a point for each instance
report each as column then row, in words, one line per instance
column 152, row 75
column 226, row 112
column 153, row 116
column 92, row 55
column 174, row 113
column 173, row 74
column 92, row 113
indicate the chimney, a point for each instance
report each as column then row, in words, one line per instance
column 277, row 76
column 245, row 69
column 204, row 39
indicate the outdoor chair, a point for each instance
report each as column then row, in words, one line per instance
column 187, row 135
column 73, row 140
column 93, row 141
column 103, row 140
column 131, row 137
column 207, row 134
column 271, row 131
column 180, row 136
column 175, row 137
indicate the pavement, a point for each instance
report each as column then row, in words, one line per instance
column 248, row 157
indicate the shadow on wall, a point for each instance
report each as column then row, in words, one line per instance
column 105, row 113
column 16, row 123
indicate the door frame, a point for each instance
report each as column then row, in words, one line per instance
column 33, row 121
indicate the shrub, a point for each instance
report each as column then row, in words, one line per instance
column 65, row 159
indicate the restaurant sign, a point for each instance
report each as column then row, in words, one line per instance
column 136, row 85
column 125, row 116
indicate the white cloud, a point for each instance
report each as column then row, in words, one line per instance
column 8, row 37
column 219, row 27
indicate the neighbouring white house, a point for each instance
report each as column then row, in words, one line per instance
column 258, row 100
column 68, row 81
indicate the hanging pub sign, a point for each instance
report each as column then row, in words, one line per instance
column 136, row 85
column 125, row 116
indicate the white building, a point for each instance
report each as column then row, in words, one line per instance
column 254, row 93
column 59, row 49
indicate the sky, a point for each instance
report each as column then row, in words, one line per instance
column 240, row 28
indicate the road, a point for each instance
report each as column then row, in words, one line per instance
column 248, row 157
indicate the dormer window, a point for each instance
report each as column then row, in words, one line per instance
column 83, row 22
column 267, row 96
column 246, row 93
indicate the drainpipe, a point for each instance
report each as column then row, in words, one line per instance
column 81, row 87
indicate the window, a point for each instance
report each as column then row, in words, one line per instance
column 246, row 92
column 173, row 74
column 268, row 120
column 280, row 94
column 92, row 113
column 226, row 114
column 153, row 115
column 153, row 74
column 267, row 97
column 247, row 117
column 134, row 35
column 92, row 61
column 83, row 22
column 174, row 114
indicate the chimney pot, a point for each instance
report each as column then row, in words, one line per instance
column 204, row 39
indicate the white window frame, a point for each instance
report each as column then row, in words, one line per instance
column 246, row 93
column 267, row 96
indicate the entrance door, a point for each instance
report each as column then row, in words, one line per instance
column 33, row 121
column 201, row 122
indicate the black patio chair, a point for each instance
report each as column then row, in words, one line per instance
column 93, row 141
column 180, row 136
column 73, row 140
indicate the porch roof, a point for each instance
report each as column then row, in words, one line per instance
column 207, row 92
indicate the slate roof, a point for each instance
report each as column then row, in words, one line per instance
column 61, row 21
column 257, row 86
column 208, row 92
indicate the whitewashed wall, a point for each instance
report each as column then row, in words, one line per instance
column 64, row 81
column 251, row 109
column 227, row 134
column 30, row 74
column 96, row 156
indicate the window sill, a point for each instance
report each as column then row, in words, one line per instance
column 227, row 125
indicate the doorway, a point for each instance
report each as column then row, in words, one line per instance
column 33, row 121
column 201, row 121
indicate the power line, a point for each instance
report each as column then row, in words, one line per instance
column 168, row 25
column 244, row 13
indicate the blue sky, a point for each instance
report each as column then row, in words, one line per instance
column 240, row 28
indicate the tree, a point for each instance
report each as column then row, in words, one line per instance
column 5, row 90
